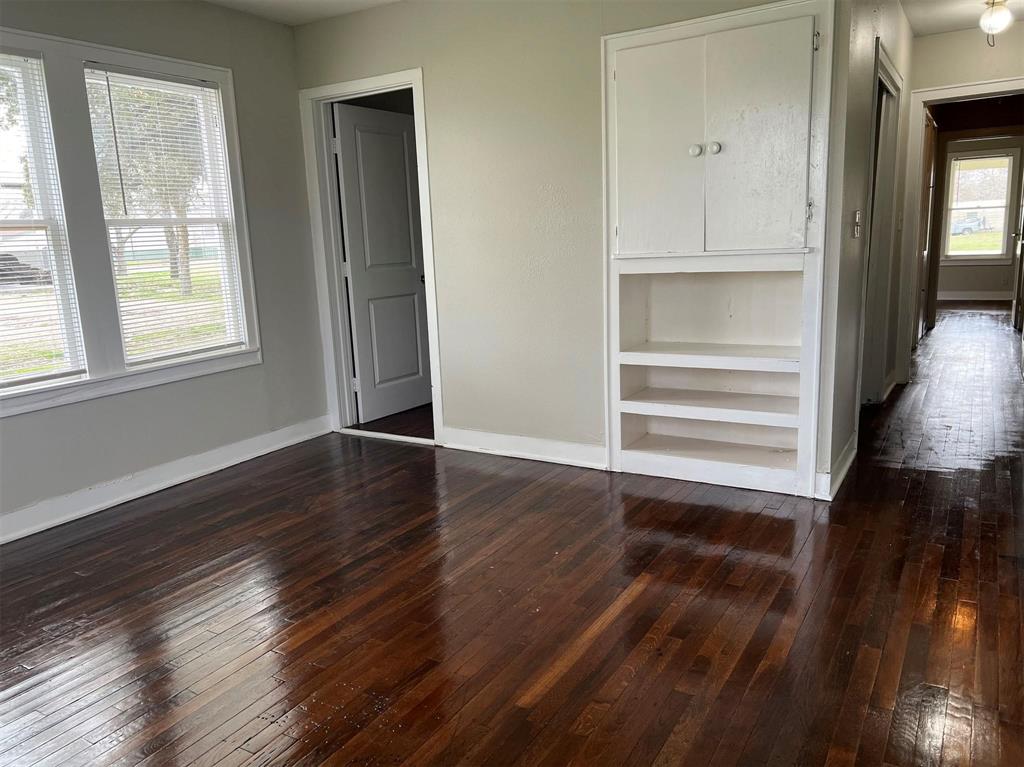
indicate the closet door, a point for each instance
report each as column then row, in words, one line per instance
column 657, row 196
column 758, row 111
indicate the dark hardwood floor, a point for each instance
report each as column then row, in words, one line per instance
column 360, row 602
column 417, row 422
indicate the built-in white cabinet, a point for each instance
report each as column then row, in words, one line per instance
column 710, row 137
column 715, row 153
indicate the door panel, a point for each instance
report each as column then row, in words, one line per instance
column 758, row 109
column 380, row 224
column 879, row 256
column 394, row 338
column 383, row 176
column 659, row 114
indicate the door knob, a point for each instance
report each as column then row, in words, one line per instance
column 696, row 150
column 714, row 147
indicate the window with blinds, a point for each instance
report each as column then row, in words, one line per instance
column 165, row 186
column 40, row 334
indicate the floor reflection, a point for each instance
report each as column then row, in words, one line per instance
column 350, row 601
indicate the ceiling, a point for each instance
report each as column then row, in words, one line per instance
column 929, row 17
column 299, row 11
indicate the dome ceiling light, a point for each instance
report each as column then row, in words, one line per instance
column 996, row 18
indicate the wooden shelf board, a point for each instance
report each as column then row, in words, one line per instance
column 721, row 356
column 714, row 451
column 746, row 262
column 718, row 253
column 732, row 407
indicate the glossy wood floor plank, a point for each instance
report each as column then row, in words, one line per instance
column 357, row 602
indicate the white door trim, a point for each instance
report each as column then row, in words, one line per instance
column 909, row 288
column 314, row 109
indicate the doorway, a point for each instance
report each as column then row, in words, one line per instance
column 975, row 225
column 375, row 163
column 369, row 197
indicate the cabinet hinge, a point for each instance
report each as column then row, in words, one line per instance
column 355, row 384
column 816, row 45
column 615, row 74
column 616, row 230
column 810, row 209
column 336, row 145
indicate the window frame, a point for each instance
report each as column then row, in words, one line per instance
column 64, row 65
column 979, row 259
column 53, row 221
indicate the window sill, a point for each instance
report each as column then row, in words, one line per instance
column 975, row 261
column 79, row 390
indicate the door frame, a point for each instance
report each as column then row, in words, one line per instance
column 888, row 77
column 909, row 276
column 325, row 224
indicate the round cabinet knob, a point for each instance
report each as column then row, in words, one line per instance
column 714, row 147
column 696, row 150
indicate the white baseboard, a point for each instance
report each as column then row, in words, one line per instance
column 975, row 295
column 348, row 432
column 64, row 508
column 533, row 448
column 827, row 484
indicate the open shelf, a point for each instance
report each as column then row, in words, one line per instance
column 768, row 358
column 732, row 407
column 691, row 448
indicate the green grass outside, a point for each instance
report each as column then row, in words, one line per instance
column 24, row 359
column 985, row 242
column 158, row 285
column 175, row 338
column 30, row 359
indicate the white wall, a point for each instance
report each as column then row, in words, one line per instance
column 53, row 452
column 513, row 116
column 957, row 58
column 858, row 23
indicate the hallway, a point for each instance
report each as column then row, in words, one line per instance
column 964, row 407
column 354, row 601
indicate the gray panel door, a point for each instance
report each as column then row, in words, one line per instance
column 383, row 247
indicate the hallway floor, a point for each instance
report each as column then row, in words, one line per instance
column 358, row 602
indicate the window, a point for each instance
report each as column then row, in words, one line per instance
column 129, row 268
column 977, row 201
column 40, row 337
column 167, row 201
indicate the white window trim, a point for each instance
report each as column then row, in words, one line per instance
column 64, row 64
column 980, row 259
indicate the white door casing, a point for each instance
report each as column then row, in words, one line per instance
column 758, row 106
column 384, row 260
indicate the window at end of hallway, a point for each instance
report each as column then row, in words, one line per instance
column 976, row 216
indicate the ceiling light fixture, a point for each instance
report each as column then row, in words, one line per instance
column 995, row 19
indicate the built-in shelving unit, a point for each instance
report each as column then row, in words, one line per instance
column 715, row 156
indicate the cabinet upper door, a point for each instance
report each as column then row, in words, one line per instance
column 758, row 109
column 657, row 190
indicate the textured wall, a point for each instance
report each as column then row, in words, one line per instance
column 513, row 115
column 53, row 452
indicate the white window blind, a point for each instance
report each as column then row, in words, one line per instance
column 40, row 335
column 160, row 152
